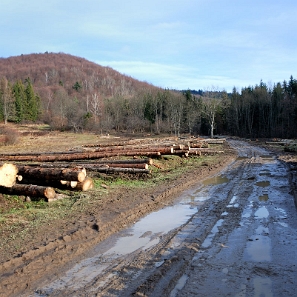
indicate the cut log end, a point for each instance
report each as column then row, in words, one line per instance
column 86, row 185
column 8, row 175
column 49, row 193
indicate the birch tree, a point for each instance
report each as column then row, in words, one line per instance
column 210, row 105
column 6, row 100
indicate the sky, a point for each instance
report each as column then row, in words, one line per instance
column 175, row 44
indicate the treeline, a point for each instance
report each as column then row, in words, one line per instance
column 261, row 111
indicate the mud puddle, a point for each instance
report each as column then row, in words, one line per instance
column 216, row 180
column 143, row 235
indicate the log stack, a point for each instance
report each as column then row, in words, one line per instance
column 69, row 169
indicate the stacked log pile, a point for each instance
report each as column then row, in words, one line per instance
column 69, row 169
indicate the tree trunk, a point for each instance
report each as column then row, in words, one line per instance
column 8, row 175
column 30, row 190
column 53, row 174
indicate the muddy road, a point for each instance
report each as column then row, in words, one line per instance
column 234, row 234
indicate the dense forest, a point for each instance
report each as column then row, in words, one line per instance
column 69, row 92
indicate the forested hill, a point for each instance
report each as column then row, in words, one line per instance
column 54, row 70
column 69, row 92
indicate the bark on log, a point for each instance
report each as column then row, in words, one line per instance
column 139, row 166
column 196, row 145
column 206, row 151
column 8, row 175
column 53, row 174
column 181, row 153
column 194, row 152
column 131, row 161
column 77, row 156
column 126, row 170
column 82, row 165
column 162, row 150
column 215, row 141
column 30, row 190
column 276, row 143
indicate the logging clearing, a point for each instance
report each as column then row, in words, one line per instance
column 36, row 174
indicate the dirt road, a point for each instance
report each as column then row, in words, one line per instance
column 232, row 235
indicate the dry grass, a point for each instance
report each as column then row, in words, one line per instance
column 38, row 138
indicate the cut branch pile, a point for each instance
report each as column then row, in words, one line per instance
column 47, row 172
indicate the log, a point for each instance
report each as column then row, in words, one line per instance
column 194, row 152
column 8, row 175
column 282, row 143
column 140, row 166
column 70, row 184
column 126, row 170
column 162, row 150
column 77, row 156
column 19, row 177
column 86, row 185
column 148, row 161
column 53, row 174
column 206, row 151
column 181, row 153
column 215, row 141
column 196, row 145
column 30, row 190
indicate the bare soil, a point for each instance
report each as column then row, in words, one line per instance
column 38, row 254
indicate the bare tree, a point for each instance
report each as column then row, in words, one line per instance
column 6, row 100
column 96, row 106
column 175, row 111
column 210, row 104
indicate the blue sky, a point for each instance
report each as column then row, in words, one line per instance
column 176, row 44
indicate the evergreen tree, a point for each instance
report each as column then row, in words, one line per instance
column 20, row 99
column 32, row 102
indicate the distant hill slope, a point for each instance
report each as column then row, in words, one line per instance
column 51, row 71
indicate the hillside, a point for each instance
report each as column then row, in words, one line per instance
column 50, row 71
column 72, row 92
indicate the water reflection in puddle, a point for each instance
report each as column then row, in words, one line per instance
column 241, row 158
column 262, row 287
column 247, row 212
column 158, row 222
column 216, row 180
column 265, row 173
column 267, row 157
column 259, row 245
column 264, row 197
column 207, row 242
column 262, row 213
column 263, row 184
column 283, row 224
